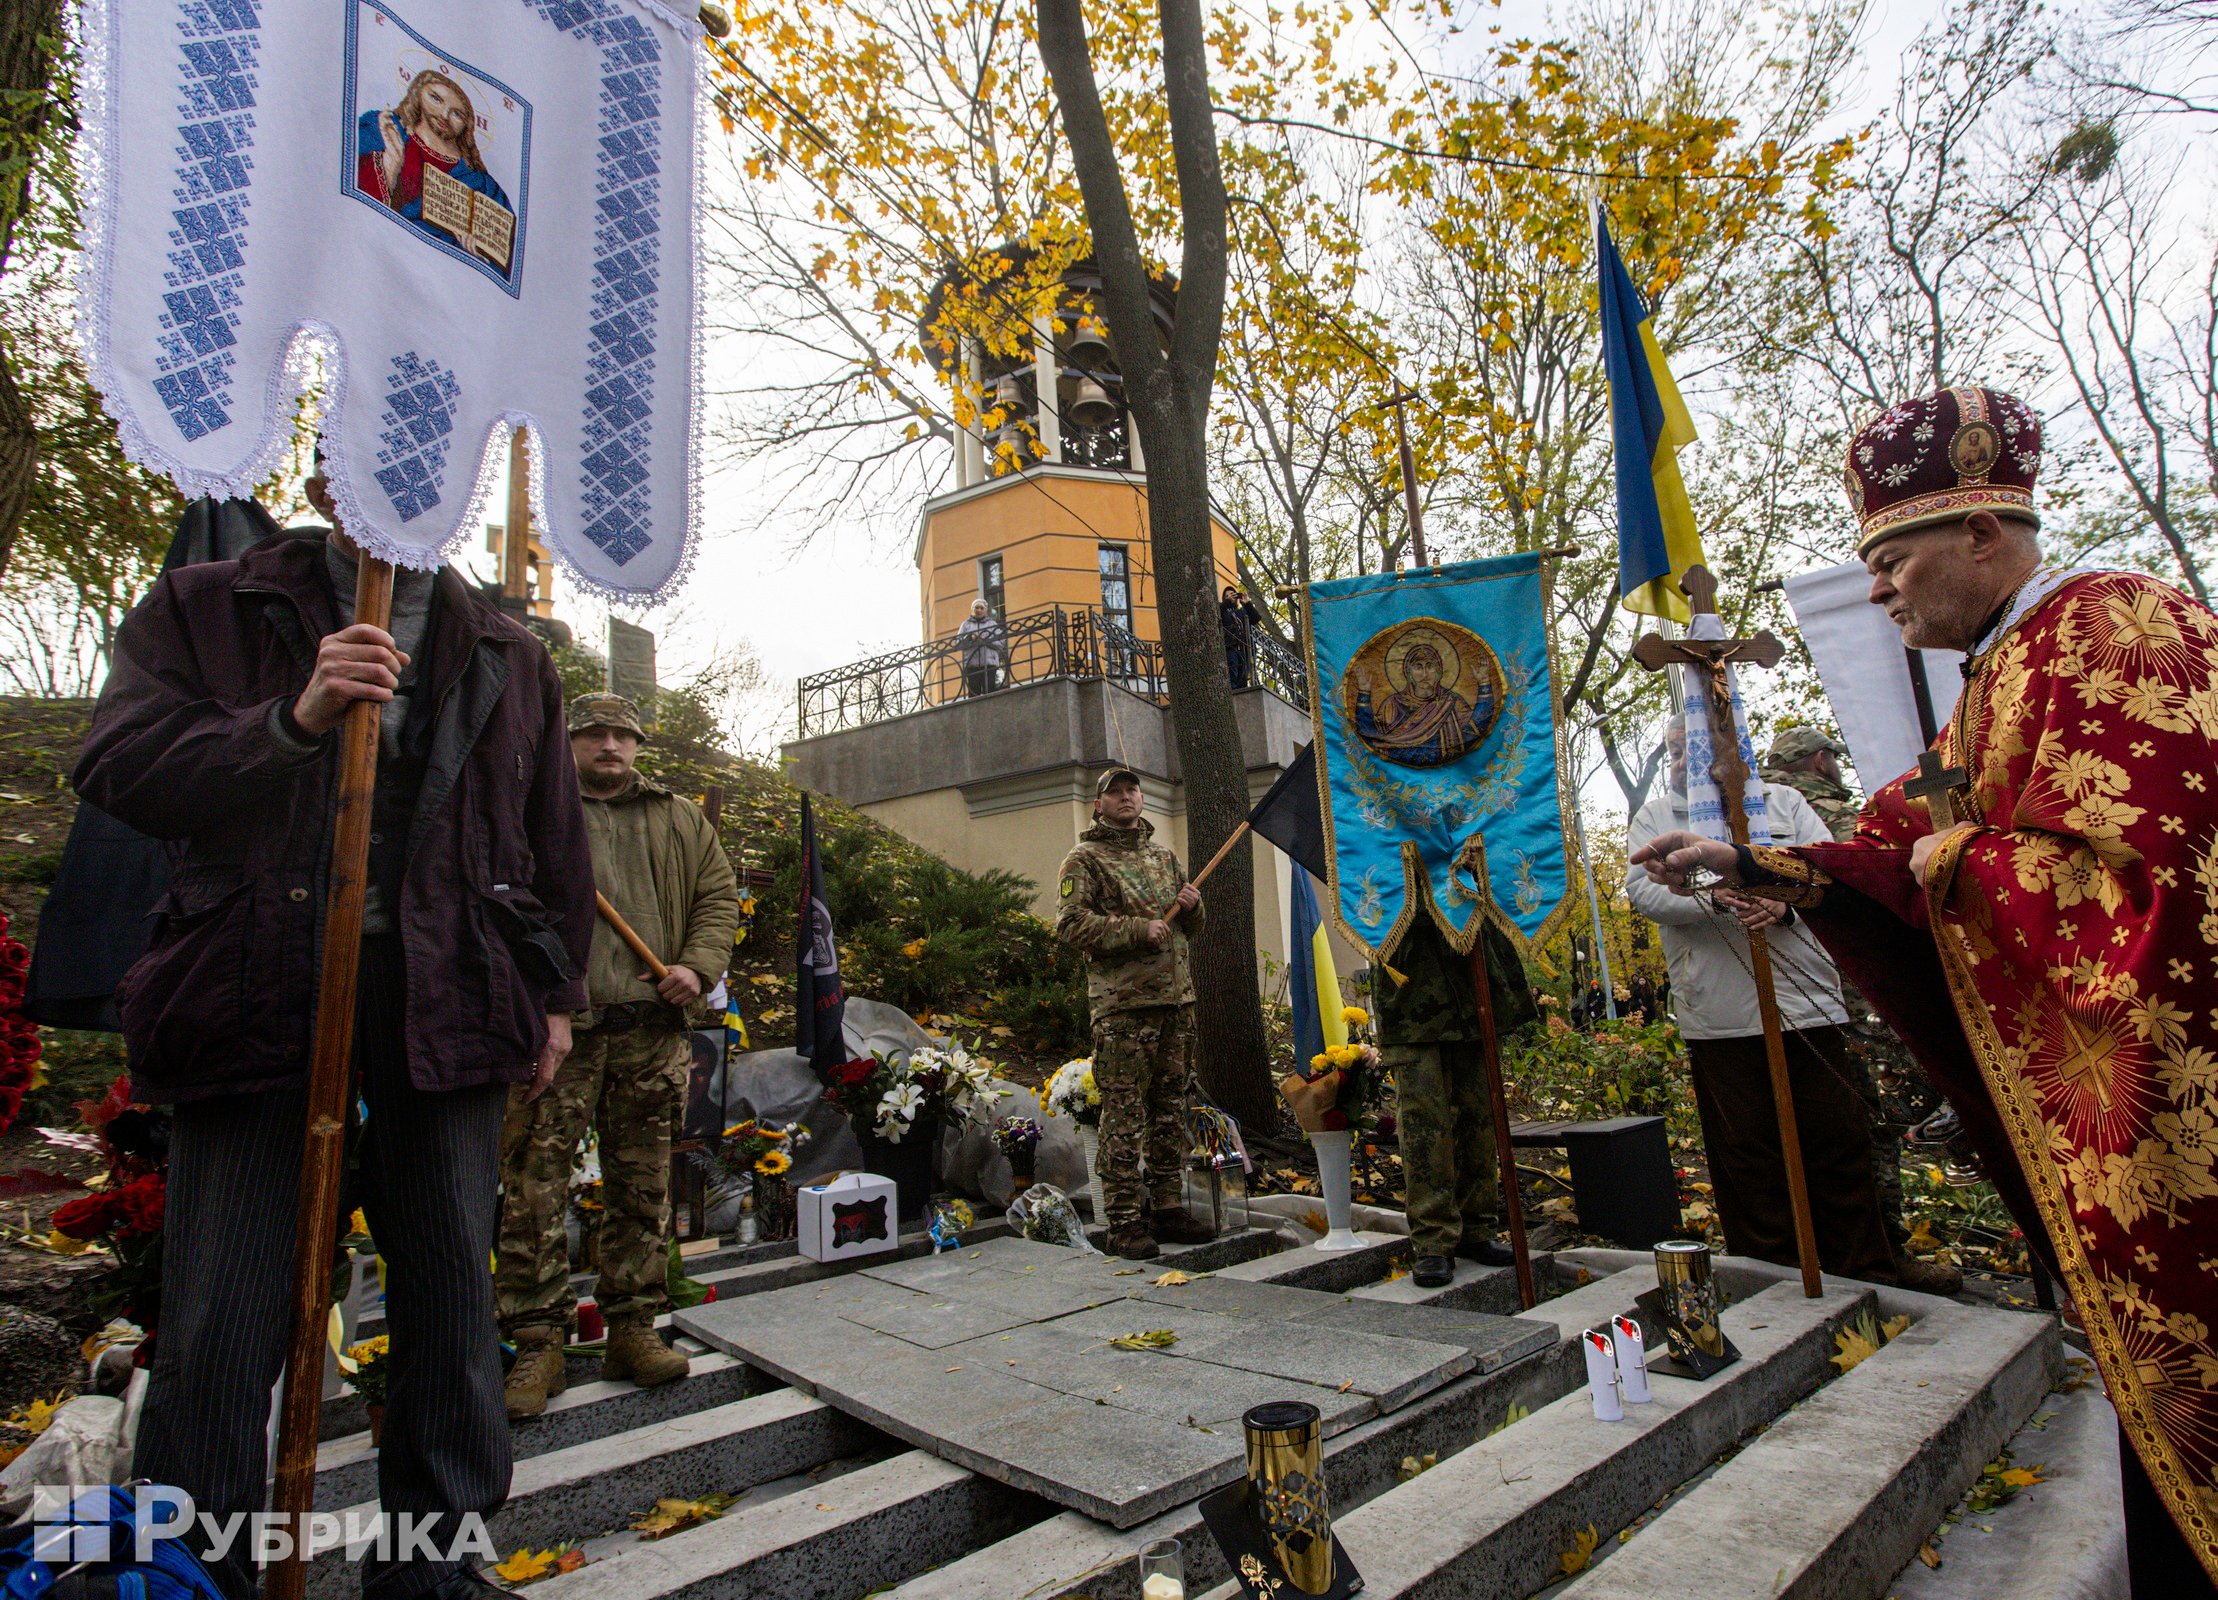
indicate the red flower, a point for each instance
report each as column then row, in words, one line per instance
column 85, row 1217
column 139, row 1206
column 853, row 1074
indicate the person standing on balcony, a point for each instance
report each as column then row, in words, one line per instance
column 981, row 638
column 1240, row 618
column 1127, row 905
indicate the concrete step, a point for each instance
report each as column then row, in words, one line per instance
column 2062, row 1539
column 1838, row 1494
column 588, row 1488
column 591, row 1408
column 855, row 1535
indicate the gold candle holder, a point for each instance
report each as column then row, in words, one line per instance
column 1690, row 1293
column 1286, row 1479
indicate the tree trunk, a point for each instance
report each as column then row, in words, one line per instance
column 28, row 28
column 1169, row 394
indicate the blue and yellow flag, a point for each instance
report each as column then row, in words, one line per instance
column 1438, row 752
column 1656, row 537
column 1313, row 980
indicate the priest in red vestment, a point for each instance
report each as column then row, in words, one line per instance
column 2050, row 954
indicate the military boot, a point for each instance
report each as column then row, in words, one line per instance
column 636, row 1351
column 1927, row 1277
column 539, row 1374
column 1177, row 1225
column 1132, row 1241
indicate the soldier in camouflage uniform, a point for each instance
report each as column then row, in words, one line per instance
column 1430, row 1041
column 1126, row 903
column 659, row 862
column 1808, row 762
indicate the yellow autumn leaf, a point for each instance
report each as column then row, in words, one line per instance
column 1172, row 1279
column 523, row 1566
column 672, row 1514
column 1574, row 1560
column 1861, row 1339
column 2022, row 1477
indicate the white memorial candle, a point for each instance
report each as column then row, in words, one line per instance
column 1601, row 1376
column 1162, row 1586
column 1632, row 1359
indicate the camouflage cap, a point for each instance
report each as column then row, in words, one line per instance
column 1798, row 744
column 605, row 711
column 1101, row 784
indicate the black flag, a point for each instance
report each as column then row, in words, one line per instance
column 1288, row 814
column 818, row 999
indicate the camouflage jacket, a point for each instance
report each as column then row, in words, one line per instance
column 1434, row 1004
column 663, row 868
column 1115, row 882
column 1835, row 803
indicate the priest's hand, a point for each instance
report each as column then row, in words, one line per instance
column 550, row 1053
column 358, row 662
column 1921, row 851
column 1673, row 858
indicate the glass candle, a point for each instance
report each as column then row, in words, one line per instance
column 1163, row 1571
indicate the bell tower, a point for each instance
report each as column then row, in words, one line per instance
column 1049, row 504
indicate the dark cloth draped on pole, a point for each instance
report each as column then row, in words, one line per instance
column 1288, row 816
column 819, row 1000
column 97, row 919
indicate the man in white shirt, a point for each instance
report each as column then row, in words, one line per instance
column 1714, row 997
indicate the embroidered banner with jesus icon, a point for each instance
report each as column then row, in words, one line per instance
column 479, row 211
column 1437, row 736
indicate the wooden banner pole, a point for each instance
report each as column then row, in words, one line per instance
column 330, row 1076
column 624, row 931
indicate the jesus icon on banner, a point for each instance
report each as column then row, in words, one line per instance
column 421, row 158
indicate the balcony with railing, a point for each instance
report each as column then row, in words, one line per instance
column 1034, row 647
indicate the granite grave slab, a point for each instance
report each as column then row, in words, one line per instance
column 1000, row 1358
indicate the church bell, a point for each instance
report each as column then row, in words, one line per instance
column 1092, row 407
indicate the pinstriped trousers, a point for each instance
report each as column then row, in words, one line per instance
column 426, row 1179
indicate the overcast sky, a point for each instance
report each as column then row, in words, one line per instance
column 854, row 593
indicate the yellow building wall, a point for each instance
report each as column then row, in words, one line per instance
column 1047, row 527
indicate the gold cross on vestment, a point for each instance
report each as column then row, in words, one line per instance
column 1938, row 787
column 2089, row 1059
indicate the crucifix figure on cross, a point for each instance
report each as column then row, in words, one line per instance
column 1938, row 787
column 1712, row 658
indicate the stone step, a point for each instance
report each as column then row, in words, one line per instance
column 1473, row 1288
column 856, row 1535
column 591, row 1408
column 1838, row 1494
column 1071, row 1554
column 1495, row 1518
column 571, row 1493
column 2062, row 1539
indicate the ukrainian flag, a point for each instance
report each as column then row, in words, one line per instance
column 1656, row 538
column 1315, row 983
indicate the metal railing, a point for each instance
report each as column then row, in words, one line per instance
column 1052, row 642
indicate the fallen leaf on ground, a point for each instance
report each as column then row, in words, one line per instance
column 1154, row 1339
column 1930, row 1556
column 1172, row 1279
column 1345, row 1387
column 1574, row 1560
column 673, row 1514
column 569, row 1561
column 523, row 1566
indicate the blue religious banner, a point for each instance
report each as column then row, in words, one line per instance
column 1438, row 737
column 477, row 213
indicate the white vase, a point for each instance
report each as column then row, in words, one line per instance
column 1089, row 1142
column 1332, row 1177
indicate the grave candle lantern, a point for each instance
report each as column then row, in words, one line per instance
column 1286, row 1478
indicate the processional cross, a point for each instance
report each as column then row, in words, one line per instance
column 1938, row 787
column 1711, row 657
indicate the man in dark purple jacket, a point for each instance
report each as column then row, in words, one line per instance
column 215, row 734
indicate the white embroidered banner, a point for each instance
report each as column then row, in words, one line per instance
column 481, row 209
